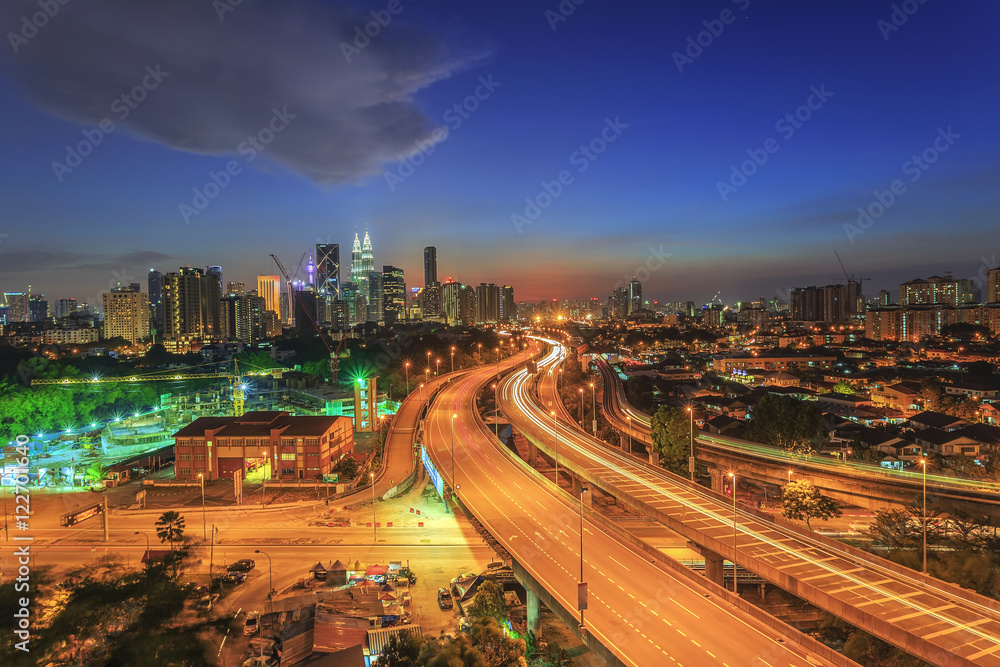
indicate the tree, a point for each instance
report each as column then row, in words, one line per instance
column 893, row 529
column 671, row 435
column 348, row 467
column 96, row 473
column 402, row 650
column 843, row 387
column 489, row 602
column 801, row 500
column 170, row 528
column 788, row 423
column 497, row 649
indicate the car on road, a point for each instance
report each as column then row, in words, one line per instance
column 444, row 599
column 242, row 565
column 251, row 625
column 235, row 577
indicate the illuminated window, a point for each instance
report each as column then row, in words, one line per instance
column 288, row 456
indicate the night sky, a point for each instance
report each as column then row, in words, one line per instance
column 548, row 85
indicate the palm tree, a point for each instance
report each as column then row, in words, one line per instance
column 170, row 528
column 96, row 472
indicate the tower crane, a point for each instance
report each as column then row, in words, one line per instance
column 335, row 354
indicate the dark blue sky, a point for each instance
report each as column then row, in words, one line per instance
column 656, row 185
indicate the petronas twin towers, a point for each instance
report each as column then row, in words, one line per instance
column 362, row 260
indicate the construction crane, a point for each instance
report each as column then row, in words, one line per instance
column 335, row 355
column 851, row 278
column 236, row 379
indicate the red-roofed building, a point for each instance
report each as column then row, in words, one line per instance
column 293, row 447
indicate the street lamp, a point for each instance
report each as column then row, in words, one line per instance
column 789, row 475
column 437, row 369
column 371, row 476
column 582, row 602
column 580, row 391
column 923, row 464
column 406, row 365
column 555, row 434
column 270, row 581
column 204, row 515
column 732, row 476
column 452, row 358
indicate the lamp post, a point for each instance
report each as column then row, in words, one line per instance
column 923, row 464
column 371, row 476
column 593, row 399
column 732, row 476
column 270, row 580
column 789, row 475
column 452, row 358
column 496, row 424
column 555, row 434
column 406, row 366
column 580, row 391
column 437, row 367
column 691, row 461
column 204, row 515
column 629, row 419
column 479, row 351
column 421, row 391
column 498, row 362
column 582, row 602
column 428, row 358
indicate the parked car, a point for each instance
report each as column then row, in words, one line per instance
column 242, row 565
column 206, row 602
column 235, row 577
column 444, row 599
column 251, row 625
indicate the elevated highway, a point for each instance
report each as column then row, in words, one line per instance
column 638, row 613
column 938, row 622
column 848, row 482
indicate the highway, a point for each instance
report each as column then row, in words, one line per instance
column 622, row 415
column 638, row 611
column 940, row 622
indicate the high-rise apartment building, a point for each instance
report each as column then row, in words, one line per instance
column 991, row 294
column 487, row 303
column 126, row 314
column 375, row 306
column 457, row 303
column 328, row 270
column 634, row 295
column 619, row 302
column 211, row 300
column 182, row 305
column 66, row 307
column 393, row 295
column 430, row 302
column 831, row 303
column 236, row 288
column 936, row 290
column 430, row 265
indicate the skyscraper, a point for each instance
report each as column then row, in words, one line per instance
column 17, row 305
column 154, row 283
column 393, row 295
column 487, row 303
column 634, row 295
column 126, row 314
column 211, row 299
column 430, row 265
column 508, row 311
column 269, row 288
column 328, row 270
column 238, row 288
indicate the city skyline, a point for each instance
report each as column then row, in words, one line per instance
column 456, row 149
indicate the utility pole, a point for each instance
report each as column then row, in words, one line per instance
column 104, row 502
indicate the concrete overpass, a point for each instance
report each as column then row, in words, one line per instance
column 938, row 622
column 852, row 483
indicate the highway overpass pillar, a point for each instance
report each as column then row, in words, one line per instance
column 534, row 618
column 716, row 475
column 577, row 485
column 532, row 453
column 714, row 571
column 623, row 441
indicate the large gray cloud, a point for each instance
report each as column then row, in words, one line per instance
column 225, row 76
